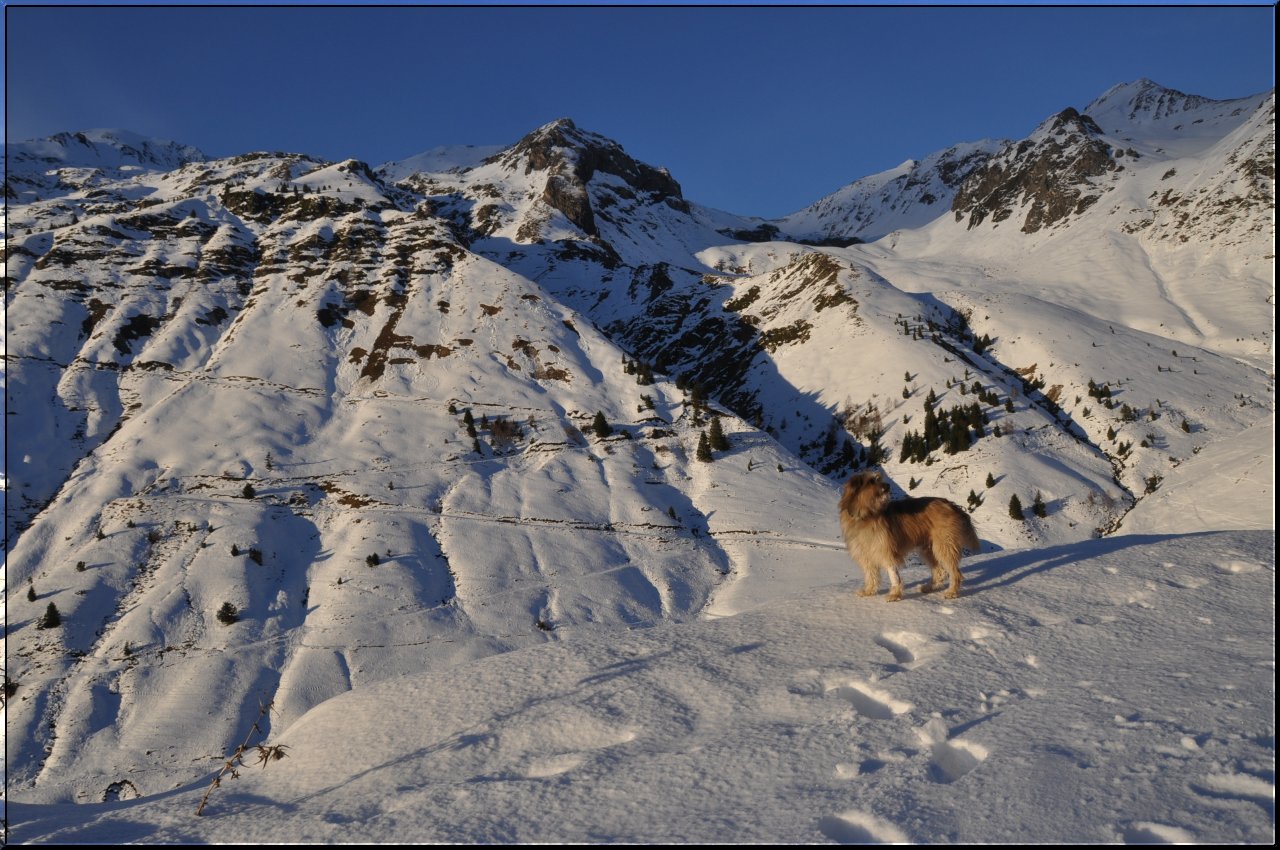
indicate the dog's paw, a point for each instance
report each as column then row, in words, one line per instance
column 952, row 593
column 866, row 592
column 894, row 595
column 927, row 587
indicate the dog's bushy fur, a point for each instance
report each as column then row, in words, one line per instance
column 880, row 534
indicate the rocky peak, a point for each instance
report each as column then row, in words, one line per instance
column 571, row 157
column 1051, row 174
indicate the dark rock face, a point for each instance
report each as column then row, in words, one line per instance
column 1051, row 171
column 572, row 157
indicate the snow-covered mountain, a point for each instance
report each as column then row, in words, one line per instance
column 283, row 428
column 69, row 161
column 911, row 195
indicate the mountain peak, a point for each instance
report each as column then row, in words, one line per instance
column 571, row 157
column 1142, row 101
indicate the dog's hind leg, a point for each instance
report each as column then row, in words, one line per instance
column 934, row 582
column 948, row 556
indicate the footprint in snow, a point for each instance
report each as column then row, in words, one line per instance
column 855, row 827
column 1238, row 567
column 909, row 649
column 1143, row 832
column 1238, row 786
column 949, row 759
column 869, row 701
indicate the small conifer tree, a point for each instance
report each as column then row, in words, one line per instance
column 600, row 426
column 991, row 480
column 1037, row 507
column 31, row 593
column 1015, row 507
column 51, row 619
column 716, row 437
column 704, row 448
column 228, row 614
column 248, row 492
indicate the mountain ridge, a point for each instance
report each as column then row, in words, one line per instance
column 384, row 382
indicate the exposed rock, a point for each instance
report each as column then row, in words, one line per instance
column 1050, row 174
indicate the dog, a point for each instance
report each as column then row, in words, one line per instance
column 880, row 534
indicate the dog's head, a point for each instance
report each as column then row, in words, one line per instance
column 865, row 494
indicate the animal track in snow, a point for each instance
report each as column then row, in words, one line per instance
column 869, row 701
column 1238, row 786
column 1238, row 566
column 950, row 760
column 553, row 766
column 855, row 827
column 909, row 649
column 1143, row 832
column 953, row 759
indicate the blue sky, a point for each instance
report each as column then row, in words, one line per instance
column 759, row 111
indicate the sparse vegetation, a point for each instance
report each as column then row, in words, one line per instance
column 266, row 755
column 704, row 448
column 51, row 619
column 719, row 442
column 228, row 614
column 1015, row 507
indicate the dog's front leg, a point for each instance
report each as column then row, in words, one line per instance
column 895, row 584
column 870, row 578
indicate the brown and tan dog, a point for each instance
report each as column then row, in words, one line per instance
column 880, row 534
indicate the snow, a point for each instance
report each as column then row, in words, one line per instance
column 1118, row 690
column 439, row 159
column 573, row 638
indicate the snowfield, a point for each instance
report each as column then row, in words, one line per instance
column 415, row 455
column 1118, row 690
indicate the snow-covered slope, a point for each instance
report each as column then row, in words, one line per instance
column 1112, row 691
column 417, row 421
column 69, row 161
column 911, row 195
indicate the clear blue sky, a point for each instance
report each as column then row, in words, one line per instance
column 759, row 111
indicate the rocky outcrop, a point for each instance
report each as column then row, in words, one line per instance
column 571, row 157
column 1051, row 175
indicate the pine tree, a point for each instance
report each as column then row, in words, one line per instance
column 31, row 593
column 704, row 448
column 228, row 614
column 52, row 619
column 991, row 480
column 1037, row 507
column 248, row 491
column 1015, row 507
column 600, row 426
column 718, row 440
